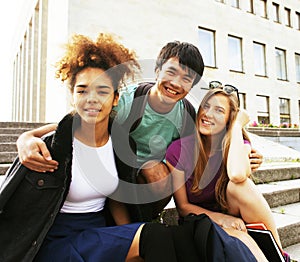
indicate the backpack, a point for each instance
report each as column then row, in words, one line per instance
column 138, row 107
column 213, row 243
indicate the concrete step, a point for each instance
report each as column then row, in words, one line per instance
column 281, row 192
column 294, row 251
column 287, row 219
column 8, row 147
column 3, row 169
column 13, row 130
column 11, row 138
column 29, row 125
column 7, row 157
column 277, row 172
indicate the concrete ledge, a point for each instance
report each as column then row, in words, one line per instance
column 13, row 130
column 8, row 147
column 21, row 124
column 3, row 169
column 274, row 132
column 276, row 174
column 281, row 192
column 7, row 157
column 11, row 138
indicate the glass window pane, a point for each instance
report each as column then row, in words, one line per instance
column 262, row 105
column 284, row 109
column 235, row 53
column 299, row 110
column 284, row 106
column 235, row 3
column 259, row 59
column 275, row 12
column 297, row 58
column 242, row 98
column 287, row 16
column 249, row 6
column 280, row 64
column 298, row 20
column 262, row 8
column 207, row 46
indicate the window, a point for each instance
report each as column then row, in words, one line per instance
column 235, row 3
column 262, row 106
column 259, row 59
column 284, row 110
column 242, row 97
column 250, row 6
column 235, row 53
column 276, row 12
column 263, row 8
column 207, row 46
column 298, row 20
column 297, row 60
column 299, row 110
column 280, row 64
column 287, row 16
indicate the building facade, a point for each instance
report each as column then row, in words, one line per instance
column 251, row 44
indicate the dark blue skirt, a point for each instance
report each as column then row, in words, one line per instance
column 84, row 237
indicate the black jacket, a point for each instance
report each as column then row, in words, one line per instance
column 30, row 201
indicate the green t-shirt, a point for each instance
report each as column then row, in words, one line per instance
column 155, row 131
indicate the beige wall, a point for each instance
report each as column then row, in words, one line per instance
column 147, row 25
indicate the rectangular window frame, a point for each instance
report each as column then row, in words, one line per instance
column 250, row 7
column 263, row 116
column 287, row 17
column 235, row 65
column 285, row 116
column 263, row 11
column 260, row 60
column 235, row 3
column 281, row 66
column 276, row 12
column 297, row 67
column 209, row 51
column 298, row 20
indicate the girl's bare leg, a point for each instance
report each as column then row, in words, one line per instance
column 246, row 201
column 133, row 253
column 249, row 242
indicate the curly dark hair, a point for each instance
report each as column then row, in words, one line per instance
column 105, row 52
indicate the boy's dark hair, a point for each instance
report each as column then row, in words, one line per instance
column 188, row 55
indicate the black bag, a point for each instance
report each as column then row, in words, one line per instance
column 213, row 243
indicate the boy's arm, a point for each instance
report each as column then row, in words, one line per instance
column 33, row 152
column 256, row 159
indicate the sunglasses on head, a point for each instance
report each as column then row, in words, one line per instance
column 229, row 89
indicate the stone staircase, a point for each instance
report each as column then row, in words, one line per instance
column 278, row 179
column 9, row 133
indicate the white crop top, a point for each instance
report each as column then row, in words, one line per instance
column 94, row 177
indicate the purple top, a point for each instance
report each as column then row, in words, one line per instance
column 180, row 154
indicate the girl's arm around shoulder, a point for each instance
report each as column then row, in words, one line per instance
column 238, row 164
